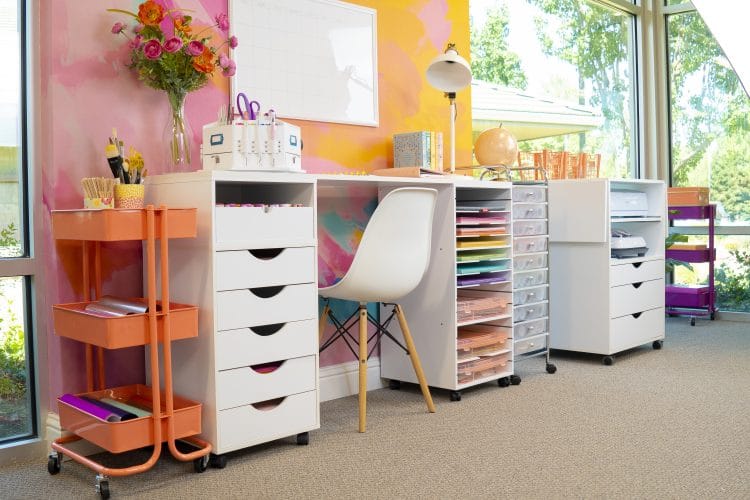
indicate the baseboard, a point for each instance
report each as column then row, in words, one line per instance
column 54, row 431
column 340, row 381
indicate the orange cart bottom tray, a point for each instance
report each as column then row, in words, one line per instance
column 117, row 437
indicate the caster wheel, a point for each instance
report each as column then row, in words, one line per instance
column 103, row 488
column 503, row 382
column 551, row 368
column 515, row 380
column 394, row 385
column 455, row 396
column 53, row 464
column 608, row 360
column 658, row 344
column 712, row 315
column 692, row 321
column 303, row 438
column 200, row 464
column 218, row 461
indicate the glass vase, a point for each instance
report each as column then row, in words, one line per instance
column 177, row 136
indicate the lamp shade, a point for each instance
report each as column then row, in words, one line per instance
column 449, row 72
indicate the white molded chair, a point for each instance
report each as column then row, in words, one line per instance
column 390, row 262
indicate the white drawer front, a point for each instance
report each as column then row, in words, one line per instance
column 529, row 328
column 529, row 227
column 252, row 424
column 633, row 330
column 621, row 274
column 244, row 308
column 530, row 295
column 529, row 261
column 242, row 386
column 529, row 210
column 249, row 346
column 255, row 268
column 277, row 224
column 530, row 345
column 529, row 194
column 529, row 312
column 529, row 244
column 634, row 298
column 529, row 278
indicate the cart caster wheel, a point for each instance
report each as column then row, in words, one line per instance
column 303, row 438
column 103, row 488
column 712, row 315
column 608, row 360
column 515, row 380
column 551, row 368
column 692, row 321
column 200, row 464
column 503, row 382
column 658, row 344
column 455, row 396
column 394, row 385
column 217, row 461
column 53, row 464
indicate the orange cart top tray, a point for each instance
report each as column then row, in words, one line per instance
column 115, row 224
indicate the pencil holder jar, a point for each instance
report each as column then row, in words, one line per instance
column 99, row 203
column 129, row 195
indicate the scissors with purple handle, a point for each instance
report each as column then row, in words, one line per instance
column 249, row 110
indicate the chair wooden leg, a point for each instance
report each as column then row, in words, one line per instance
column 362, row 367
column 414, row 358
column 322, row 323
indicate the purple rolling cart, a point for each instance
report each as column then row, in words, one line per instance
column 693, row 300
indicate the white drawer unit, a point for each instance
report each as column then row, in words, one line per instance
column 601, row 304
column 252, row 271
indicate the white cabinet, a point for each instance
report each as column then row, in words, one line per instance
column 252, row 271
column 599, row 303
column 461, row 314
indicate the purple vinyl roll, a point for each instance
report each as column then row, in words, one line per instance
column 119, row 412
column 89, row 408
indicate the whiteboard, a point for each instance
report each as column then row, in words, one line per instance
column 307, row 59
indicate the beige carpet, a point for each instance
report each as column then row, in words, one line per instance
column 673, row 423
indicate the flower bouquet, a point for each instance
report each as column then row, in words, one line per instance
column 167, row 55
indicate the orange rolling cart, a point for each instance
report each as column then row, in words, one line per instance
column 171, row 417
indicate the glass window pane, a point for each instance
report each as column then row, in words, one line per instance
column 11, row 242
column 558, row 75
column 15, row 389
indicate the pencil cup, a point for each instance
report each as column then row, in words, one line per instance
column 99, row 203
column 129, row 195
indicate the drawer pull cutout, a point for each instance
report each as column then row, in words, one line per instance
column 266, row 330
column 637, row 285
column 268, row 405
column 267, row 292
column 266, row 253
column 637, row 264
column 264, row 368
column 636, row 315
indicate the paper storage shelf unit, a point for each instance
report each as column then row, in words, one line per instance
column 472, row 260
column 598, row 303
column 253, row 272
column 169, row 417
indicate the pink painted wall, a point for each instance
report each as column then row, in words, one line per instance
column 87, row 90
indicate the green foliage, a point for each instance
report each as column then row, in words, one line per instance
column 491, row 60
column 12, row 356
column 733, row 282
column 669, row 263
column 730, row 175
column 8, row 236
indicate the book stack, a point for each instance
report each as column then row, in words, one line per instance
column 423, row 149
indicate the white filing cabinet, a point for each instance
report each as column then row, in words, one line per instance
column 252, row 271
column 600, row 304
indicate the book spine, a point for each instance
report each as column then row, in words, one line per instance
column 439, row 150
column 433, row 150
column 425, row 150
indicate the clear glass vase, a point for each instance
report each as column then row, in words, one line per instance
column 177, row 136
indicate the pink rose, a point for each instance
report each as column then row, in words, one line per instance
column 223, row 60
column 230, row 69
column 152, row 49
column 194, row 48
column 173, row 44
column 137, row 28
column 222, row 21
column 136, row 42
column 233, row 42
column 117, row 28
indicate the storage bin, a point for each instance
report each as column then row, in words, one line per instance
column 529, row 244
column 687, row 295
column 530, row 328
column 530, row 261
column 482, row 340
column 530, row 295
column 526, row 279
column 120, row 224
column 529, row 227
column 530, row 211
column 484, row 367
column 528, row 312
column 684, row 196
column 530, row 345
column 529, row 194
column 476, row 308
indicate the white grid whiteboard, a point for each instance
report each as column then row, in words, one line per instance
column 307, row 59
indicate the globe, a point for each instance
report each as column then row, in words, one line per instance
column 496, row 146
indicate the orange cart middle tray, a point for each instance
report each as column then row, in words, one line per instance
column 115, row 224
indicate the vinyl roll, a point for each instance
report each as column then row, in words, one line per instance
column 90, row 408
column 122, row 414
column 138, row 412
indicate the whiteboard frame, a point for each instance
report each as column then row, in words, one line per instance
column 235, row 87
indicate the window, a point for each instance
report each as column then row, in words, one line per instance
column 17, row 398
column 559, row 75
column 710, row 147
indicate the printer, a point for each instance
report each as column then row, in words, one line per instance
column 252, row 145
column 625, row 245
column 627, row 203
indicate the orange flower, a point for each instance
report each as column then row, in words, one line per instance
column 182, row 25
column 204, row 62
column 150, row 13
